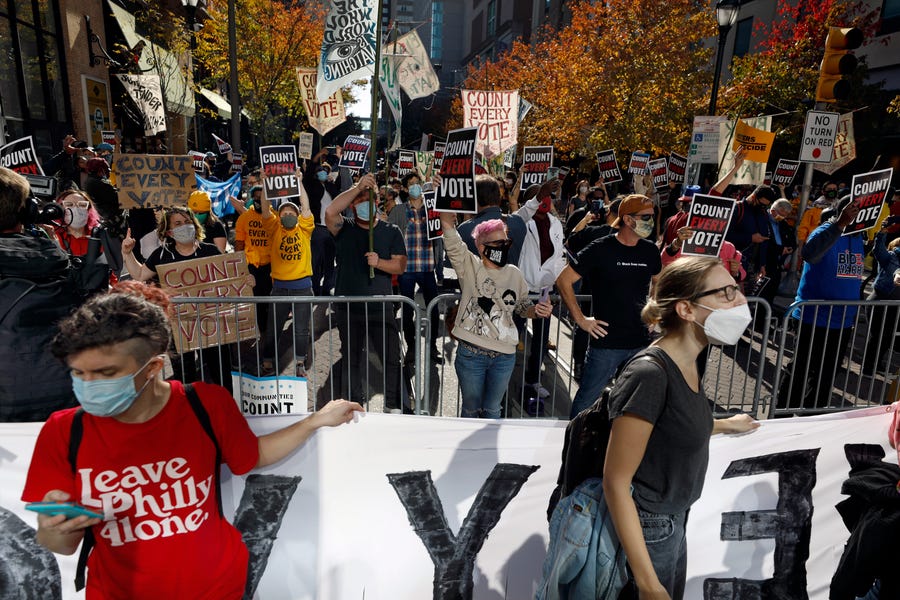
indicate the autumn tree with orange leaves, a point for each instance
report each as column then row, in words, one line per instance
column 625, row 74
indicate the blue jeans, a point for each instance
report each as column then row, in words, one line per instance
column 599, row 367
column 666, row 542
column 482, row 380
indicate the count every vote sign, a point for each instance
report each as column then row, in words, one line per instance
column 709, row 219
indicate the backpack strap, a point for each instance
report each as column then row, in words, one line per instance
column 203, row 417
column 87, row 544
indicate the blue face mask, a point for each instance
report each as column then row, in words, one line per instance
column 362, row 211
column 321, row 175
column 108, row 397
column 415, row 190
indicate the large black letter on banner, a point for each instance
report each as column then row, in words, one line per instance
column 454, row 556
column 27, row 570
column 258, row 518
column 790, row 524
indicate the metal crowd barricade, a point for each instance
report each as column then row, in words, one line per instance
column 834, row 352
column 372, row 321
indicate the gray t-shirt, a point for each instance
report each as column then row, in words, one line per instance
column 670, row 476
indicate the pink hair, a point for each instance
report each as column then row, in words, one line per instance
column 488, row 227
column 93, row 218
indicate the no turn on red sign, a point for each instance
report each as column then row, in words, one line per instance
column 818, row 136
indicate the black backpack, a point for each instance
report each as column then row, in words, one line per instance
column 587, row 435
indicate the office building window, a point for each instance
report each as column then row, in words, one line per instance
column 491, row 18
column 437, row 31
column 890, row 17
column 743, row 32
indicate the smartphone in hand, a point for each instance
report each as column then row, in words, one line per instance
column 70, row 509
column 545, row 294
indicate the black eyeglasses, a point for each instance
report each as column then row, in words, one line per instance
column 641, row 217
column 730, row 291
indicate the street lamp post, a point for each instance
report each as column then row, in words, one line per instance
column 190, row 6
column 726, row 15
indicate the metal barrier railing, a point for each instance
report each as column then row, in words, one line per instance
column 835, row 353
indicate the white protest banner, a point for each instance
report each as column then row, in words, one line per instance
column 766, row 517
column 659, row 170
column 415, row 73
column 275, row 395
column 751, row 173
column 355, row 150
column 677, row 168
column 19, row 156
column 224, row 147
column 785, row 171
column 639, row 163
column 524, row 107
column 390, row 85
column 709, row 218
column 305, row 145
column 196, row 326
column 424, row 165
column 608, row 166
column 494, row 114
column 457, row 190
column 325, row 115
column 438, row 155
column 844, row 146
column 147, row 95
column 348, row 45
column 869, row 191
column 279, row 163
column 150, row 180
column 406, row 162
column 197, row 160
column 705, row 140
column 536, row 161
column 435, row 230
column 818, row 136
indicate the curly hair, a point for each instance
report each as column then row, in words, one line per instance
column 163, row 227
column 679, row 281
column 113, row 318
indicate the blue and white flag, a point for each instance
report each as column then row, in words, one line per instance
column 348, row 45
column 219, row 192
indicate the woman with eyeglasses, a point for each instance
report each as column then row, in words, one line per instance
column 492, row 290
column 661, row 421
column 79, row 220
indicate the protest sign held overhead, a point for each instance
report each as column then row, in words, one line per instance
column 355, row 150
column 390, row 85
column 305, row 145
column 785, row 171
column 659, row 170
column 237, row 162
column 19, row 156
column 224, row 147
column 425, row 165
column 457, row 190
column 348, row 45
column 869, row 191
column 197, row 160
column 509, row 157
column 415, row 73
column 494, row 114
column 639, row 163
column 536, row 161
column 709, row 218
column 818, row 136
column 325, row 115
column 438, row 155
column 757, row 143
column 109, row 137
column 435, row 230
column 147, row 95
column 406, row 162
column 151, row 180
column 280, row 166
column 844, row 146
column 751, row 172
column 608, row 166
column 677, row 168
column 219, row 192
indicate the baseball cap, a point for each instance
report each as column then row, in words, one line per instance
column 104, row 147
column 689, row 192
column 630, row 205
column 199, row 201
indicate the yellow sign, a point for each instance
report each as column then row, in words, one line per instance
column 757, row 142
column 96, row 95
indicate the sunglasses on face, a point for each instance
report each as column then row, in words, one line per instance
column 641, row 217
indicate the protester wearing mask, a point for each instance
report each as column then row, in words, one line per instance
column 214, row 230
column 578, row 201
column 79, row 221
column 621, row 268
column 778, row 249
column 492, row 291
column 252, row 236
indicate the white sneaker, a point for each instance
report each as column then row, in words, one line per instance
column 395, row 411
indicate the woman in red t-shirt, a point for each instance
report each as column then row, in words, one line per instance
column 79, row 221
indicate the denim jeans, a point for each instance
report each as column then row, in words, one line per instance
column 482, row 380
column 665, row 538
column 276, row 338
column 599, row 367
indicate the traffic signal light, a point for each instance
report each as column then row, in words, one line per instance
column 837, row 62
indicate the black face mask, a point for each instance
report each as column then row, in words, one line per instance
column 497, row 253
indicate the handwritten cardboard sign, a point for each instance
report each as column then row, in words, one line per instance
column 457, row 190
column 495, row 114
column 146, row 180
column 709, row 218
column 280, row 166
column 196, row 326
column 536, row 162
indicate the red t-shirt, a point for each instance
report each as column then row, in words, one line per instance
column 154, row 481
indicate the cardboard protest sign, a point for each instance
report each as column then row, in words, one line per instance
column 438, row 155
column 424, row 165
column 305, row 145
column 147, row 95
column 495, row 116
column 608, row 166
column 197, row 160
column 869, row 191
column 639, row 163
column 277, row 394
column 757, row 143
column 237, row 162
column 355, row 150
column 149, row 180
column 219, row 192
column 677, row 168
column 406, row 162
column 348, row 45
column 844, row 146
column 415, row 73
column 536, row 161
column 224, row 147
column 709, row 218
column 322, row 116
column 785, row 171
column 457, row 190
column 280, row 166
column 19, row 156
column 196, row 326
column 435, row 230
column 659, row 170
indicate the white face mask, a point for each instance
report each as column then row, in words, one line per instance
column 725, row 326
column 79, row 217
column 184, row 234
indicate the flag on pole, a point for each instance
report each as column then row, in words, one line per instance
column 348, row 45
